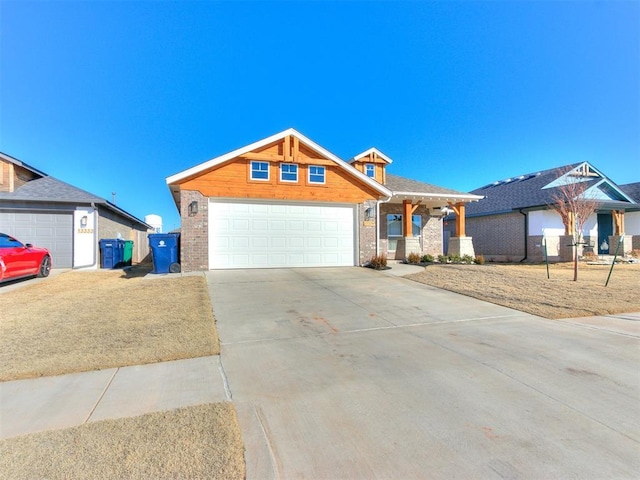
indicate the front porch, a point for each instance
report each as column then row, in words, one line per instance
column 411, row 222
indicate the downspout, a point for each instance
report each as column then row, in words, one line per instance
column 378, row 202
column 526, row 235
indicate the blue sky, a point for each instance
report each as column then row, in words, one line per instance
column 116, row 96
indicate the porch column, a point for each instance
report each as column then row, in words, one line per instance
column 408, row 243
column 407, row 229
column 459, row 210
column 618, row 222
column 619, row 236
column 460, row 244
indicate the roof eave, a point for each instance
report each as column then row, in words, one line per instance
column 466, row 197
column 371, row 150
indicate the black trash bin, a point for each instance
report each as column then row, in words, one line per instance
column 110, row 253
column 165, row 252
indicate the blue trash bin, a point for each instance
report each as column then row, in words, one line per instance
column 111, row 253
column 165, row 252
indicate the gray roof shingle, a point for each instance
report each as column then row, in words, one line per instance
column 523, row 191
column 396, row 183
column 51, row 189
column 632, row 189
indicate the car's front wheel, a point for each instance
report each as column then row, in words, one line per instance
column 45, row 266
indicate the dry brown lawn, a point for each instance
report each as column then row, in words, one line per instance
column 91, row 320
column 194, row 442
column 526, row 287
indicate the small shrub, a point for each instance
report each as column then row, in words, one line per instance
column 590, row 257
column 479, row 260
column 427, row 258
column 378, row 262
column 413, row 258
column 443, row 258
column 454, row 258
column 467, row 259
column 635, row 253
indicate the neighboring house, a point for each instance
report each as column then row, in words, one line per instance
column 39, row 209
column 285, row 201
column 632, row 219
column 515, row 219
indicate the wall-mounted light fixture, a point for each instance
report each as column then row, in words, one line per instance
column 193, row 208
column 369, row 213
column 83, row 221
column 446, row 211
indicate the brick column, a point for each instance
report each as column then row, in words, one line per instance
column 194, row 232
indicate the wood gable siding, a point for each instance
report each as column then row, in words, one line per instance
column 379, row 166
column 232, row 179
column 13, row 176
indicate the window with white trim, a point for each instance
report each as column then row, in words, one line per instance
column 394, row 230
column 288, row 172
column 395, row 226
column 316, row 174
column 370, row 170
column 259, row 170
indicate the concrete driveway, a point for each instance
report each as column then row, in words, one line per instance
column 352, row 373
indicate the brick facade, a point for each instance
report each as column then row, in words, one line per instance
column 194, row 233
column 497, row 237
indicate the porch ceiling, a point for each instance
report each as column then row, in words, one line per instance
column 433, row 200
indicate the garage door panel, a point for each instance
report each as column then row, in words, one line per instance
column 314, row 242
column 260, row 242
column 296, row 242
column 239, row 242
column 278, row 225
column 278, row 242
column 296, row 225
column 280, row 235
column 257, row 225
column 53, row 231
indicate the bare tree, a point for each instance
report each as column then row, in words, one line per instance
column 575, row 206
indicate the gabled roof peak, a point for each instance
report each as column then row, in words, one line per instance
column 198, row 169
column 370, row 151
column 20, row 163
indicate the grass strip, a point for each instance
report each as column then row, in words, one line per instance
column 203, row 441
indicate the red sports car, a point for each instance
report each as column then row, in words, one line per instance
column 19, row 260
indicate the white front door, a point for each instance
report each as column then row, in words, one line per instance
column 245, row 234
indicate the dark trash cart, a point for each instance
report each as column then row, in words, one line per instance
column 110, row 253
column 165, row 252
column 115, row 253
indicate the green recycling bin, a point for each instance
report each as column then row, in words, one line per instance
column 127, row 253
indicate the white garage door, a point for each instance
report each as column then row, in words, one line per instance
column 269, row 235
column 50, row 230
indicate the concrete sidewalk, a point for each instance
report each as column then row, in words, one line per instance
column 47, row 403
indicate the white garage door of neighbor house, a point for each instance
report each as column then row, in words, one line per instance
column 50, row 230
column 270, row 235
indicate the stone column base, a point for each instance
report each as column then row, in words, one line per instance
column 407, row 245
column 625, row 247
column 461, row 246
column 566, row 248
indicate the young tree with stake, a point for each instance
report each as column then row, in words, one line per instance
column 575, row 207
